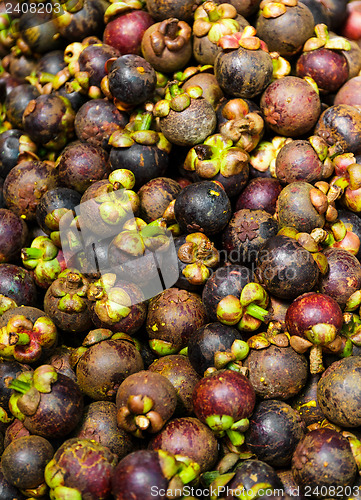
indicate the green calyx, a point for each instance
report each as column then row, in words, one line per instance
column 323, row 40
column 176, row 99
column 118, row 8
column 162, row 347
column 321, row 334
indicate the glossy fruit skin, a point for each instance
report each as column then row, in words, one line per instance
column 180, row 372
column 343, row 276
column 252, row 473
column 291, row 106
column 173, row 316
column 242, row 72
column 25, row 184
column 105, row 365
column 146, row 162
column 274, row 431
column 125, row 32
column 99, row 422
column 323, row 458
column 227, row 280
column 306, row 402
column 286, row 33
column 294, row 208
column 136, row 474
column 83, row 465
column 350, row 92
column 16, row 102
column 51, row 62
column 87, row 21
column 8, row 491
column 132, row 80
column 96, row 120
column 9, row 150
column 82, row 164
column 311, row 309
column 225, row 392
column 285, row 268
column 260, row 194
column 338, row 392
column 328, row 68
column 18, row 284
column 155, row 196
column 298, row 161
column 246, row 233
column 189, row 437
column 14, row 234
column 276, row 372
column 92, row 60
column 203, row 206
column 207, row 340
column 59, row 411
column 24, row 461
column 57, row 198
column 340, row 125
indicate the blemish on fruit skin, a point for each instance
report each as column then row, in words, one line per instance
column 140, row 69
column 214, row 193
column 155, row 328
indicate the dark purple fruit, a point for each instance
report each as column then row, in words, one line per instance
column 246, row 233
column 323, row 461
column 96, row 120
column 85, row 20
column 180, row 372
column 306, row 402
column 173, row 317
column 92, row 61
column 14, row 234
column 203, row 206
column 49, row 121
column 132, row 80
column 343, row 276
column 82, row 164
column 224, row 400
column 350, row 92
column 287, row 30
column 16, row 102
column 209, row 343
column 285, row 268
column 83, row 467
column 227, row 280
column 138, row 475
column 8, row 491
column 105, row 364
column 276, row 372
column 18, row 284
column 99, row 423
column 328, row 68
column 54, row 406
column 255, row 475
column 295, row 207
column 24, row 460
column 298, row 161
column 290, row 106
column 13, row 147
column 274, row 432
column 244, row 72
column 145, row 401
column 155, row 196
column 338, row 392
column 189, row 437
column 340, row 126
column 25, row 184
column 260, row 194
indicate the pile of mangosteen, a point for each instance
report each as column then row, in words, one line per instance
column 180, row 243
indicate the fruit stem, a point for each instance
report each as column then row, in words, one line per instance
column 19, row 386
column 257, row 312
column 31, row 253
column 23, row 339
column 316, row 364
